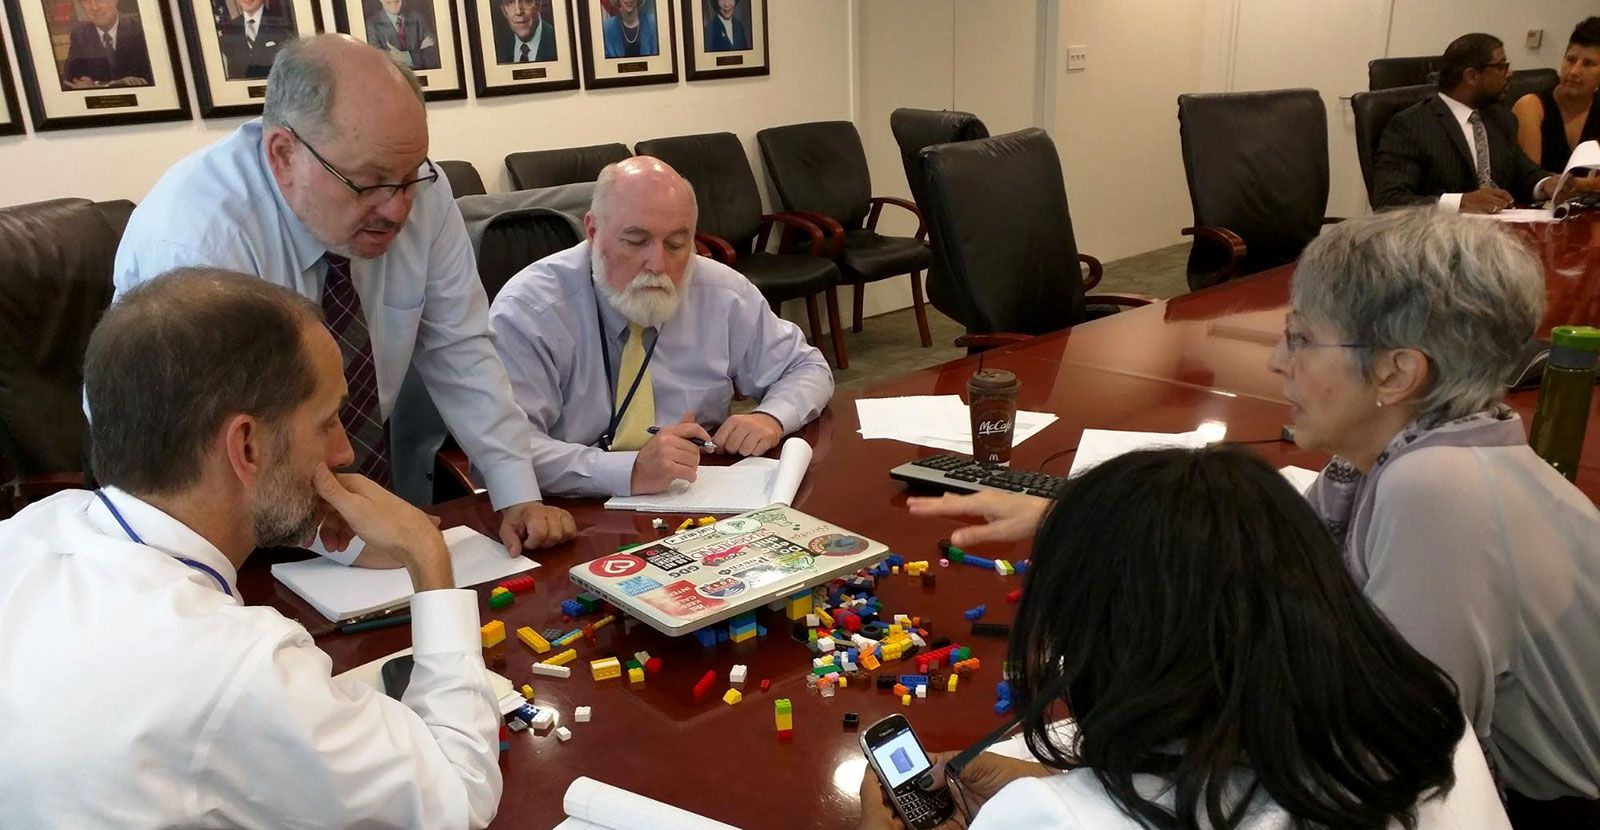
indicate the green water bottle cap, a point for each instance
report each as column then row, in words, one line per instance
column 1582, row 338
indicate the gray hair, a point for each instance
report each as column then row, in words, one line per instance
column 1464, row 292
column 605, row 186
column 300, row 88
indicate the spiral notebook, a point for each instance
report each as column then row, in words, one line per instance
column 747, row 485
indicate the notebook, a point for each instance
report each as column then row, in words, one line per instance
column 737, row 488
column 594, row 805
column 340, row 592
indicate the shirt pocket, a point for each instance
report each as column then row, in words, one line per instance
column 709, row 404
column 394, row 340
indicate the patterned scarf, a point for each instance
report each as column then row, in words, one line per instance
column 1344, row 496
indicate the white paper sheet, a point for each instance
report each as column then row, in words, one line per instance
column 939, row 421
column 339, row 592
column 1518, row 215
column 1300, row 477
column 1101, row 445
column 594, row 805
column 750, row 484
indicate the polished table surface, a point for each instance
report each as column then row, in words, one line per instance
column 1167, row 367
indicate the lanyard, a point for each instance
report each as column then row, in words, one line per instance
column 199, row 566
column 605, row 355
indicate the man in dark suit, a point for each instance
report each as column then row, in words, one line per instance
column 404, row 34
column 251, row 41
column 528, row 38
column 106, row 49
column 724, row 32
column 1456, row 148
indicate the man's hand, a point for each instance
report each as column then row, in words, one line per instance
column 1575, row 185
column 389, row 526
column 1008, row 517
column 667, row 456
column 750, row 434
column 1487, row 200
column 81, row 82
column 530, row 525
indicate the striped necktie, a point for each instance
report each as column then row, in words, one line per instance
column 361, row 414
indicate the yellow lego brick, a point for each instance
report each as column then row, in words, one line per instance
column 527, row 691
column 844, row 682
column 533, row 640
column 950, row 685
column 563, row 658
column 799, row 608
column 494, row 633
column 785, row 721
column 705, row 521
column 905, row 700
column 894, row 630
column 498, row 591
column 687, row 523
column 732, row 697
column 636, row 676
column 605, row 669
column 827, row 620
column 894, row 569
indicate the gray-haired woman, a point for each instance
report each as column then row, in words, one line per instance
column 1401, row 330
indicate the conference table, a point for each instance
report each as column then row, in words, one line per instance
column 1167, row 367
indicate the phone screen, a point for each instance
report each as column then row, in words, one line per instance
column 900, row 758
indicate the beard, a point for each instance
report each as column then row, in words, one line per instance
column 285, row 509
column 650, row 300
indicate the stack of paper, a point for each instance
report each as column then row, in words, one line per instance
column 1098, row 446
column 939, row 421
column 340, row 592
column 1300, row 477
column 750, row 484
column 592, row 805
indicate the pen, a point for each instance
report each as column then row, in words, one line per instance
column 699, row 442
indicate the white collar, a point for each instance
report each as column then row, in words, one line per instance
column 256, row 16
column 1461, row 111
column 533, row 36
column 113, row 30
column 162, row 532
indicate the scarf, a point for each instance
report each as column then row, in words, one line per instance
column 1345, row 497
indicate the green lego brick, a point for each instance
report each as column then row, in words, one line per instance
column 501, row 600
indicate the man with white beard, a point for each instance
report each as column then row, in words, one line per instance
column 629, row 330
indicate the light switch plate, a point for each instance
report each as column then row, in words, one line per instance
column 1535, row 38
column 1077, row 58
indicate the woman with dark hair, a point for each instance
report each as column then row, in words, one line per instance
column 1192, row 613
column 1550, row 124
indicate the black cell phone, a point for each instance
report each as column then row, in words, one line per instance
column 897, row 757
column 396, row 676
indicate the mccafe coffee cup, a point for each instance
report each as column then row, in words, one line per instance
column 992, row 397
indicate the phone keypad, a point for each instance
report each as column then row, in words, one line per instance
column 924, row 809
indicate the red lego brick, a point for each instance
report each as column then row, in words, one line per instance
column 1015, row 596
column 652, row 665
column 765, row 684
column 704, row 686
column 519, row 585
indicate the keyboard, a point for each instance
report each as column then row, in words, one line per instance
column 960, row 474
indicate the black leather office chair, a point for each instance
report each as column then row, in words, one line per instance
column 55, row 283
column 998, row 210
column 1257, row 165
column 464, row 178
column 737, row 233
column 1373, row 111
column 1388, row 73
column 819, row 171
column 1530, row 81
column 914, row 130
column 568, row 165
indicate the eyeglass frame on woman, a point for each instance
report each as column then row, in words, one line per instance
column 363, row 191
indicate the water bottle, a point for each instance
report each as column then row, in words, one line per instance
column 1562, row 413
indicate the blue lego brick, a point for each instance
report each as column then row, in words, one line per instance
column 707, row 636
column 912, row 681
column 1001, row 707
column 1021, row 566
column 1002, row 691
column 975, row 614
column 572, row 608
column 895, row 559
column 761, row 631
column 722, row 634
column 978, row 561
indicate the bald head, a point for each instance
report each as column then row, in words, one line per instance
column 327, row 85
column 641, row 229
column 642, row 180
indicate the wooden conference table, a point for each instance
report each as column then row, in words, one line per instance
column 1168, row 367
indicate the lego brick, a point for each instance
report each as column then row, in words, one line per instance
column 493, row 633
column 498, row 590
column 568, row 638
column 636, row 676
column 582, row 714
column 901, row 689
column 704, row 684
column 653, row 665
column 905, row 700
column 527, row 691
column 547, row 670
column 975, row 614
column 518, row 585
column 658, row 524
column 590, row 601
column 851, row 721
column 499, row 601
column 605, row 669
column 563, row 658
column 563, row 734
column 766, row 684
column 517, row 724
column 913, row 680
column 571, row 608
column 737, row 674
column 532, row 640
column 732, row 696
column 705, row 521
column 950, row 685
column 707, row 637
column 980, row 629
column 604, row 621
column 684, row 525
column 642, row 657
column 886, row 681
column 922, row 690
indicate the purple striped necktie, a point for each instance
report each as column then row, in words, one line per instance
column 361, row 414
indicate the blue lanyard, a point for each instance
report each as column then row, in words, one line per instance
column 199, row 566
column 605, row 355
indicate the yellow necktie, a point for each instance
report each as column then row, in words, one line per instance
column 632, row 430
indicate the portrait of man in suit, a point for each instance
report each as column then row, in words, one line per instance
column 250, row 40
column 629, row 29
column 106, row 49
column 528, row 36
column 726, row 29
column 404, row 33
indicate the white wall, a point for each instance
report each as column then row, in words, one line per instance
column 811, row 80
column 1425, row 27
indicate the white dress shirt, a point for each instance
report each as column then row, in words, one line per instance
column 1076, row 799
column 532, row 43
column 138, row 694
column 546, row 323
column 1462, row 112
column 112, row 33
column 252, row 24
column 422, row 299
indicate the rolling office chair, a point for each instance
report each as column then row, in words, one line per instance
column 1257, row 165
column 463, row 177
column 1530, row 81
column 1373, row 111
column 820, row 172
column 998, row 211
column 568, row 165
column 1389, row 73
column 914, row 130
column 737, row 233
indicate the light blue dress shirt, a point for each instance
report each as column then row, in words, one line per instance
column 546, row 324
column 422, row 299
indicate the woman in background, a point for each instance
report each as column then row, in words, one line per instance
column 1550, row 124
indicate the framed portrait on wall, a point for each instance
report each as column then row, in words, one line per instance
column 232, row 44
column 627, row 42
column 724, row 38
column 421, row 34
column 522, row 46
column 10, row 110
column 95, row 63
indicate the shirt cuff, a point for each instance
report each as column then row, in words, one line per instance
column 613, row 472
column 1450, row 202
column 445, row 622
column 787, row 417
column 511, row 483
column 1539, row 194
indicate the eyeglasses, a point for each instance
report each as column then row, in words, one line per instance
column 375, row 194
column 1503, row 66
column 1294, row 342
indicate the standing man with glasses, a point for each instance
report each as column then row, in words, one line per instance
column 1455, row 149
column 331, row 194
